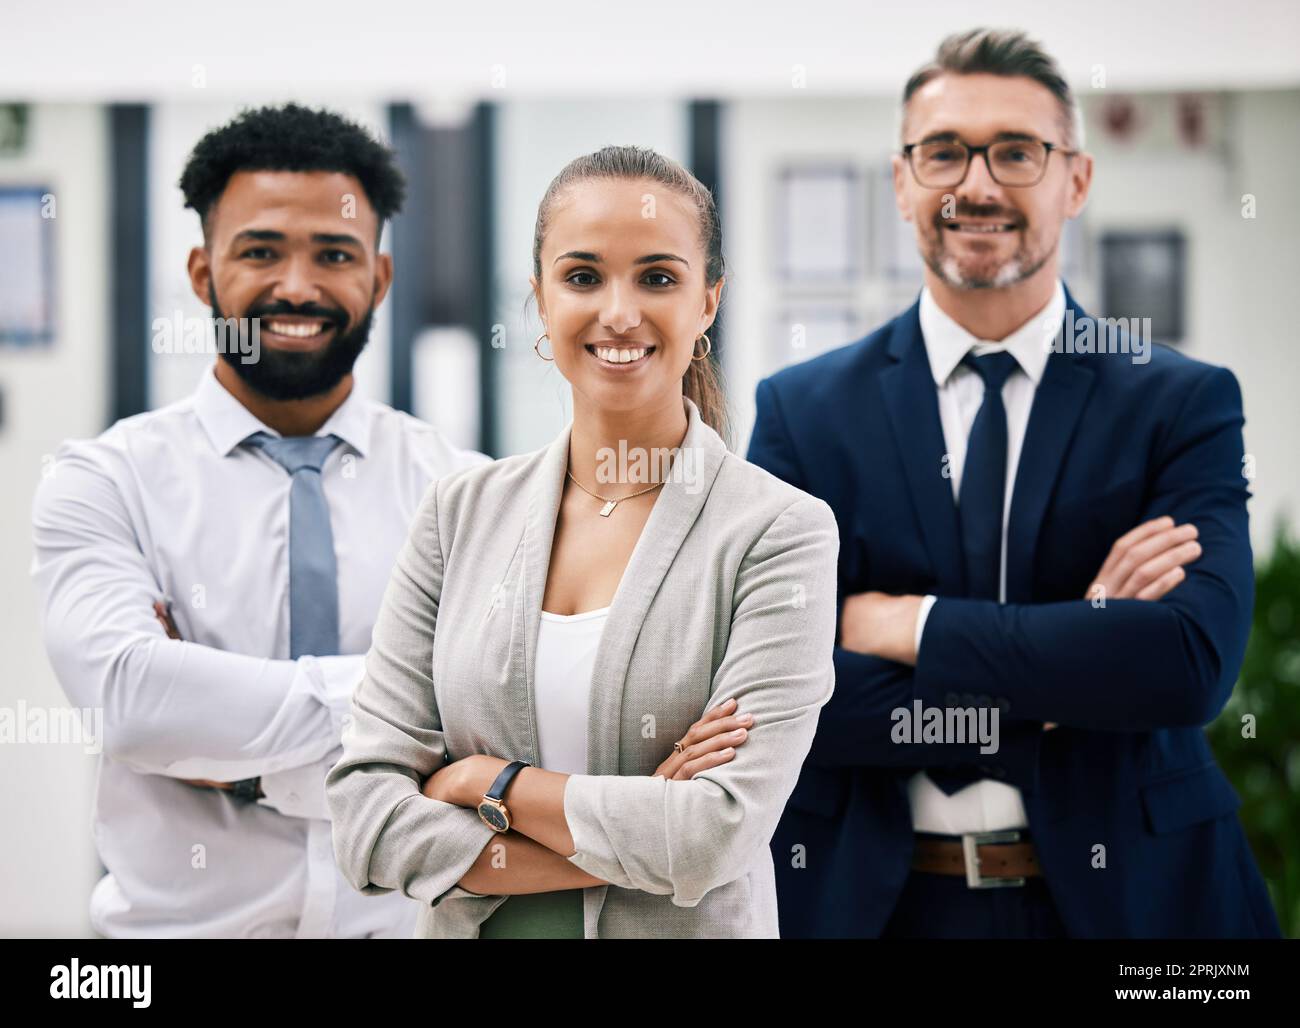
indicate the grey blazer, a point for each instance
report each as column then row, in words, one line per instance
column 730, row 591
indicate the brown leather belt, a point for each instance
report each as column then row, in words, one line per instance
column 987, row 860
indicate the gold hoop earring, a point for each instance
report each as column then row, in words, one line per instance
column 708, row 349
column 537, row 348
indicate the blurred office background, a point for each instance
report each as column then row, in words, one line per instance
column 788, row 111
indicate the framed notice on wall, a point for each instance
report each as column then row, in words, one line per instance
column 1142, row 276
column 819, row 225
column 26, row 266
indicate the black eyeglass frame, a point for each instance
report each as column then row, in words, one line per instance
column 973, row 151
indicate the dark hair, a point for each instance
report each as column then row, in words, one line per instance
column 701, row 383
column 291, row 138
column 1000, row 52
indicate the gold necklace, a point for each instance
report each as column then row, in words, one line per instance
column 608, row 509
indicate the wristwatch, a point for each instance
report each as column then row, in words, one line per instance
column 491, row 809
column 246, row 788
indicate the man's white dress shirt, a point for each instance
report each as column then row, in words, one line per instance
column 986, row 805
column 169, row 505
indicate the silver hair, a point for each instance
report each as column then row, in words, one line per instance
column 998, row 52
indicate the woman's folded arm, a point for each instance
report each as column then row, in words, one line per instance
column 684, row 838
column 513, row 864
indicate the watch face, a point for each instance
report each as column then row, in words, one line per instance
column 493, row 816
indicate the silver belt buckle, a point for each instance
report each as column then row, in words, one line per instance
column 969, row 842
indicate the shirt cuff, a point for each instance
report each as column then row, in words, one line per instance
column 300, row 791
column 922, row 613
column 336, row 679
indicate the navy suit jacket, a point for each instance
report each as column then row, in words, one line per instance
column 1133, row 821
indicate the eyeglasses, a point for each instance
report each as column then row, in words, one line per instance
column 1011, row 162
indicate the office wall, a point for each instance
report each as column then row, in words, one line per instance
column 1241, row 271
column 47, row 858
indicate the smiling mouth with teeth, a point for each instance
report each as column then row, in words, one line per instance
column 296, row 330
column 621, row 354
column 966, row 226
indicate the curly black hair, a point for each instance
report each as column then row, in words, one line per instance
column 291, row 138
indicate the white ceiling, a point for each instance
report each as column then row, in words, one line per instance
column 153, row 50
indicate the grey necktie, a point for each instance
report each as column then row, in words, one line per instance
column 313, row 570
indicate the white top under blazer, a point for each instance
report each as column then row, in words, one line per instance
column 566, row 656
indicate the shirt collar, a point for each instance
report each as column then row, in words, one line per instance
column 228, row 422
column 946, row 342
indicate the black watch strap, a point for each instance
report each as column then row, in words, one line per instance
column 503, row 780
column 246, row 788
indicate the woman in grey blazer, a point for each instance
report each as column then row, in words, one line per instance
column 720, row 585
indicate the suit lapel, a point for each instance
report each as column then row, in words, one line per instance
column 1058, row 403
column 675, row 511
column 910, row 397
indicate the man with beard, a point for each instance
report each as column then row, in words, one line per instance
column 1036, row 537
column 270, row 506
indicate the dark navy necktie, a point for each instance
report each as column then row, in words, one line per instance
column 313, row 568
column 984, row 480
column 979, row 509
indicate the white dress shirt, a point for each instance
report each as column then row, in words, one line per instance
column 169, row 505
column 566, row 655
column 986, row 805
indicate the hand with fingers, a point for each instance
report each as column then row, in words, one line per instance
column 1144, row 564
column 162, row 611
column 1147, row 562
column 711, row 741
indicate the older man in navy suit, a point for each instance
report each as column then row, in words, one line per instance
column 1045, row 569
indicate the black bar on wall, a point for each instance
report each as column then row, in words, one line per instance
column 484, row 313
column 706, row 165
column 406, row 295
column 443, row 247
column 129, row 256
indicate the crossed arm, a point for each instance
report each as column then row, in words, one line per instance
column 171, row 707
column 403, row 821
column 1145, row 563
column 533, row 856
column 1162, row 651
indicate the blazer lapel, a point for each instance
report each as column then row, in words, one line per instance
column 539, row 533
column 678, row 505
column 912, row 401
column 675, row 510
column 1058, row 402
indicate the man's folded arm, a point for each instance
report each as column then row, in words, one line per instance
column 1128, row 665
column 170, row 707
column 859, row 726
column 300, row 791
